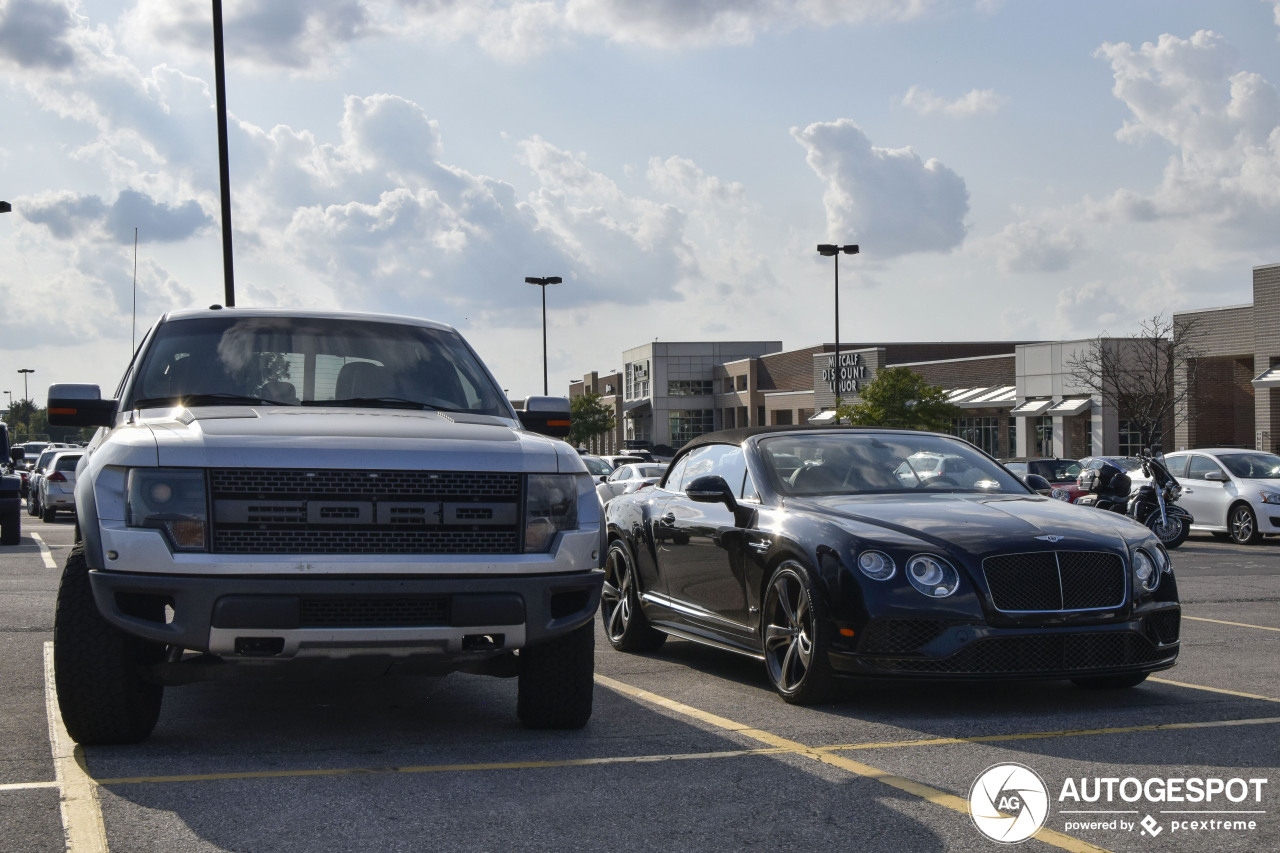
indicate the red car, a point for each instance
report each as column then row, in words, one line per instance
column 1061, row 473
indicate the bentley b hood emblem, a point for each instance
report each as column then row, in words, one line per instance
column 1051, row 538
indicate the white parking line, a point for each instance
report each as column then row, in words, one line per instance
column 45, row 553
column 81, row 814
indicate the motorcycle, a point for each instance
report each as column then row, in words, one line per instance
column 1154, row 504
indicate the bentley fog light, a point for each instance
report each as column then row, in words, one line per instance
column 932, row 576
column 171, row 500
column 877, row 566
column 551, row 505
column 1145, row 572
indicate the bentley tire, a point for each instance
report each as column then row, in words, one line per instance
column 624, row 623
column 556, row 681
column 796, row 636
column 99, row 671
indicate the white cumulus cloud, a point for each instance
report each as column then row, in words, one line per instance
column 972, row 103
column 885, row 198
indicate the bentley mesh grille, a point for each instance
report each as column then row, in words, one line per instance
column 1047, row 653
column 1056, row 580
column 325, row 511
column 899, row 636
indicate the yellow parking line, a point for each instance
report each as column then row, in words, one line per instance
column 81, row 814
column 1114, row 730
column 1215, row 689
column 1236, row 624
column 440, row 768
column 933, row 795
column 45, row 553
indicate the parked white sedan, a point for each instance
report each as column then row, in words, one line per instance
column 1230, row 491
column 629, row 478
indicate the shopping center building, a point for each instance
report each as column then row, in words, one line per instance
column 1018, row 398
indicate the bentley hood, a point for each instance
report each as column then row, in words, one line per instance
column 973, row 522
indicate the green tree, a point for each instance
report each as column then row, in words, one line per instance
column 901, row 398
column 588, row 417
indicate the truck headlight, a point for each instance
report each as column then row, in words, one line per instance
column 551, row 505
column 172, row 500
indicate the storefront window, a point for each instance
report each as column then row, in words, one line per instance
column 688, row 424
column 1130, row 439
column 688, row 387
column 983, row 433
column 1044, row 436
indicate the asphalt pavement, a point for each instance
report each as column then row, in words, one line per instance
column 688, row 749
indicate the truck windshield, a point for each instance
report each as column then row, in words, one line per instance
column 311, row 361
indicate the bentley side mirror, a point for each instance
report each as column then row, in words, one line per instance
column 1038, row 484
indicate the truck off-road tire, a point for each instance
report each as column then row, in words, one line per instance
column 99, row 671
column 556, row 680
column 10, row 527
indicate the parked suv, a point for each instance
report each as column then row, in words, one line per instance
column 271, row 490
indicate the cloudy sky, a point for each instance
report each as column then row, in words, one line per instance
column 1010, row 168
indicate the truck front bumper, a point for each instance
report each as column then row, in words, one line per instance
column 332, row 617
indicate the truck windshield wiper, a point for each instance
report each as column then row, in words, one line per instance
column 207, row 400
column 372, row 402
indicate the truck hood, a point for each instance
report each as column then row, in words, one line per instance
column 292, row 437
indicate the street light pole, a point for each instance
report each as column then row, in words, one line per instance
column 543, row 282
column 26, row 398
column 830, row 251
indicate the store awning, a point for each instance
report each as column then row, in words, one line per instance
column 637, row 410
column 1268, row 379
column 989, row 398
column 1030, row 408
column 1070, row 406
column 823, row 418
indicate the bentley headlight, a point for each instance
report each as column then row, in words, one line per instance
column 877, row 566
column 551, row 505
column 1145, row 571
column 172, row 500
column 932, row 576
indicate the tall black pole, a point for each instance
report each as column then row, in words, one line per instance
column 545, row 387
column 837, row 259
column 224, row 169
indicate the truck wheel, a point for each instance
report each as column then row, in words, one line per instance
column 103, row 693
column 556, row 680
column 10, row 527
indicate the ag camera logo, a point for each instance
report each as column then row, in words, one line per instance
column 1009, row 803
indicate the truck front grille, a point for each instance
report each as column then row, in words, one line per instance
column 300, row 511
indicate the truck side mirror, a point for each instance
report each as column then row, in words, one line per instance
column 80, row 406
column 546, row 416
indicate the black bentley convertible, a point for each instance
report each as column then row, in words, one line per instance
column 885, row 553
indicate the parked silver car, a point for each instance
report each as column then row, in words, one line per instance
column 1230, row 491
column 629, row 478
column 36, row 474
column 58, row 484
